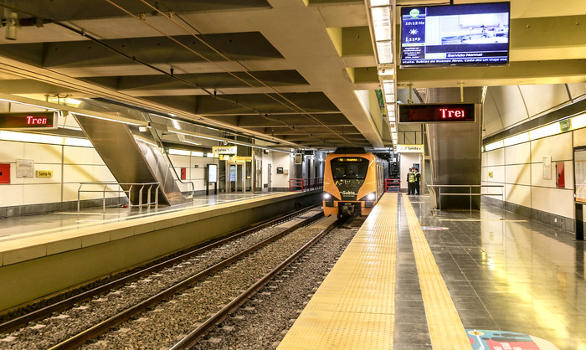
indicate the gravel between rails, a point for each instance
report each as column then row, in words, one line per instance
column 167, row 323
column 262, row 322
column 50, row 331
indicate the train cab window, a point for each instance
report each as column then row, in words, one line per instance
column 349, row 168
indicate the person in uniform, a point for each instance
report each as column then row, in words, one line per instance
column 417, row 180
column 411, row 182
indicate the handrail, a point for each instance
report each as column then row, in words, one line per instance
column 120, row 189
column 469, row 193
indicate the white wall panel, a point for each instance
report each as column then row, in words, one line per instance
column 280, row 160
column 537, row 178
column 41, row 153
column 569, row 174
column 87, row 173
column 81, row 155
column 518, row 154
column 11, row 195
column 518, row 174
column 559, row 147
column 555, row 201
column 9, row 151
column 580, row 137
column 518, row 194
column 498, row 174
column 495, row 157
column 36, row 194
column 509, row 102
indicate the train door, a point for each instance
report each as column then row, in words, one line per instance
column 232, row 179
column 239, row 178
column 222, row 181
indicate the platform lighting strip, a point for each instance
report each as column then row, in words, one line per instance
column 48, row 139
column 382, row 24
column 577, row 122
column 181, row 152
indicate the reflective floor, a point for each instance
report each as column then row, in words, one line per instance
column 34, row 225
column 504, row 273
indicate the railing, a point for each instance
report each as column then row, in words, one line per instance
column 469, row 193
column 392, row 185
column 302, row 185
column 131, row 185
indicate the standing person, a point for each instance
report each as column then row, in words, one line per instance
column 417, row 180
column 411, row 182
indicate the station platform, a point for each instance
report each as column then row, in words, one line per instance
column 412, row 278
column 44, row 254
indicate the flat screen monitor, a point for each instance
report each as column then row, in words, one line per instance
column 470, row 34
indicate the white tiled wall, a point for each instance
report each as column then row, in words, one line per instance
column 70, row 165
column 520, row 169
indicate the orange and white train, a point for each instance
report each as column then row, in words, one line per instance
column 353, row 182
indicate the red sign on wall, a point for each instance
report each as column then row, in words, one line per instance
column 431, row 113
column 561, row 175
column 183, row 173
column 31, row 120
column 4, row 173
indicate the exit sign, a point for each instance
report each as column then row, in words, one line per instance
column 433, row 113
column 32, row 120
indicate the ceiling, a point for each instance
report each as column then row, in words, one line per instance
column 283, row 70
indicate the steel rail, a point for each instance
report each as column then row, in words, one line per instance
column 35, row 315
column 98, row 329
column 191, row 338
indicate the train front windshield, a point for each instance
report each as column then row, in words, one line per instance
column 349, row 174
column 349, row 168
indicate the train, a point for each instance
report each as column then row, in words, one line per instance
column 353, row 182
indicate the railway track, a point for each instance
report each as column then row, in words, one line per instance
column 211, row 248
column 193, row 337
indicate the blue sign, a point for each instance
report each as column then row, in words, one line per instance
column 504, row 340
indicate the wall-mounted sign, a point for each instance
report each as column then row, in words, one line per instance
column 32, row 120
column 433, row 113
column 44, row 173
column 409, row 149
column 279, row 170
column 212, row 173
column 5, row 173
column 547, row 167
column 231, row 150
column 561, row 175
column 298, row 158
column 183, row 173
column 25, row 168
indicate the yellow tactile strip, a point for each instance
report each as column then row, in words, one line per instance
column 354, row 306
column 445, row 327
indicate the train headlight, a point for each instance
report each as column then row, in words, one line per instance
column 327, row 196
column 371, row 196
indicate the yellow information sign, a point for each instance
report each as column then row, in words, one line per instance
column 44, row 173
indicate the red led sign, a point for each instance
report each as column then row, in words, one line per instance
column 432, row 113
column 32, row 120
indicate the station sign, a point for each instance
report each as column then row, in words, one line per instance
column 28, row 121
column 409, row 149
column 229, row 150
column 437, row 113
column 44, row 173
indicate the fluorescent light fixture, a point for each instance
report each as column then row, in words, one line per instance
column 179, row 152
column 494, row 145
column 514, row 140
column 384, row 51
column 389, row 86
column 579, row 121
column 197, row 154
column 73, row 141
column 380, row 2
column 381, row 22
column 545, row 131
column 26, row 137
column 210, row 155
column 390, row 98
column 175, row 124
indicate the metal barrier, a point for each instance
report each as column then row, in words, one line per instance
column 469, row 193
column 296, row 185
column 303, row 185
column 393, row 184
column 151, row 186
